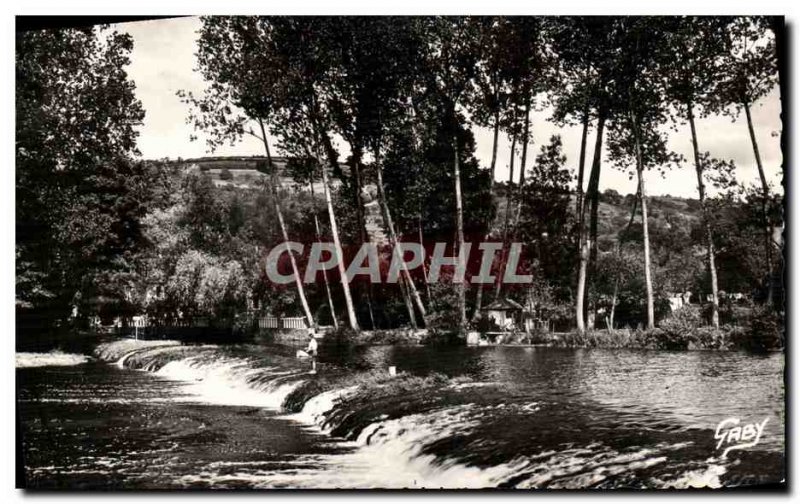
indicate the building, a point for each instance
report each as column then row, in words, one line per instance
column 507, row 314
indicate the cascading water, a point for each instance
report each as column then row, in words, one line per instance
column 503, row 427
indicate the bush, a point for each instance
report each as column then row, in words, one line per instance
column 618, row 338
column 763, row 331
column 387, row 337
column 679, row 328
column 439, row 337
column 443, row 320
column 539, row 336
column 225, row 174
column 339, row 341
column 245, row 323
column 342, row 334
column 516, row 338
column 708, row 338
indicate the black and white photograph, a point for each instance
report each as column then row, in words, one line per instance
column 400, row 252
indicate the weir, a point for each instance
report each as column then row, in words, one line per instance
column 425, row 429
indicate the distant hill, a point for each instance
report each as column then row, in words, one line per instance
column 613, row 211
column 240, row 171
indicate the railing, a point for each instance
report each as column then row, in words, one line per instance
column 268, row 323
column 282, row 323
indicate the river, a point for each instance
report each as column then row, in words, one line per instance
column 209, row 416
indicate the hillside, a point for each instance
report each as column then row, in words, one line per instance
column 613, row 211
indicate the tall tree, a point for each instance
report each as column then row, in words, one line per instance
column 600, row 50
column 78, row 197
column 304, row 170
column 636, row 135
column 750, row 72
column 574, row 75
column 369, row 99
column 451, row 58
column 539, row 67
column 244, row 92
column 692, row 71
column 489, row 101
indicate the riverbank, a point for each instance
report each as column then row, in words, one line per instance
column 703, row 338
column 726, row 338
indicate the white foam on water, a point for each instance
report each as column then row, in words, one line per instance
column 228, row 382
column 386, row 454
column 707, row 477
column 52, row 358
column 114, row 350
column 121, row 361
column 389, row 453
column 313, row 414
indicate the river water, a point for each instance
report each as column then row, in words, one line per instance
column 206, row 416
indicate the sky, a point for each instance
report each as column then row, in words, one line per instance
column 163, row 62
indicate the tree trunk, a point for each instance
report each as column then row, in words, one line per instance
column 701, row 190
column 324, row 272
column 522, row 165
column 586, row 236
column 362, row 225
column 479, row 288
column 509, row 200
column 594, row 200
column 619, row 256
column 582, row 161
column 424, row 266
column 645, row 233
column 765, row 201
column 412, row 317
column 351, row 312
column 613, row 305
column 387, row 215
column 495, row 139
column 274, row 185
column 462, row 299
column 581, row 290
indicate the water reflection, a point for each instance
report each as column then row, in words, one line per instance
column 698, row 389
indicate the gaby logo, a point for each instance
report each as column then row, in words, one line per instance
column 734, row 436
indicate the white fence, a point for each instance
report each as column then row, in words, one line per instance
column 141, row 322
column 282, row 323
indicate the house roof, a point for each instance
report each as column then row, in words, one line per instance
column 503, row 305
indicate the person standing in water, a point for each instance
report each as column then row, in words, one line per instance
column 311, row 350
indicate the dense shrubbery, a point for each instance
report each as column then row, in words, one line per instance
column 388, row 337
column 763, row 332
column 678, row 329
column 442, row 337
column 682, row 330
column 344, row 336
